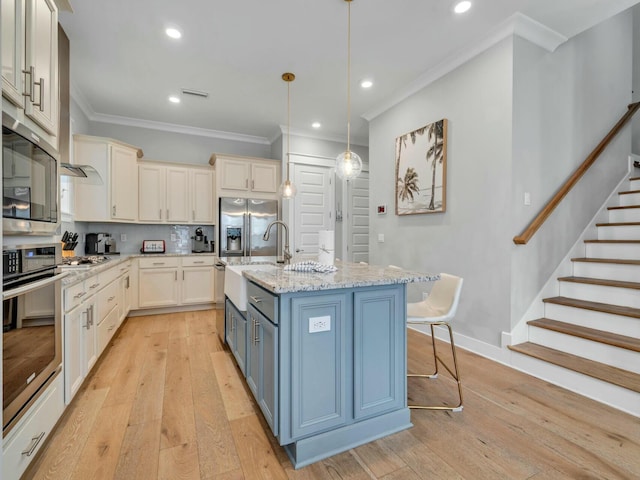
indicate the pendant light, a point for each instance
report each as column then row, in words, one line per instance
column 348, row 163
column 288, row 190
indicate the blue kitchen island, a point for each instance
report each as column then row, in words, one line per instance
column 325, row 354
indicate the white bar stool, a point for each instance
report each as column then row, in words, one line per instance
column 438, row 309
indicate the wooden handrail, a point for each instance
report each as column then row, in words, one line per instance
column 537, row 222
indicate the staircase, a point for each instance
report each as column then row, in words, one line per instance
column 593, row 326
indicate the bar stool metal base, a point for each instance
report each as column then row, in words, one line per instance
column 455, row 373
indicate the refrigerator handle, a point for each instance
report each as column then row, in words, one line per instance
column 249, row 236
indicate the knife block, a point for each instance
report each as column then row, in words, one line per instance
column 67, row 253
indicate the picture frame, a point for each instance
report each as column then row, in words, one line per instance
column 421, row 170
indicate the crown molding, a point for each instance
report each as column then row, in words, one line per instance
column 329, row 138
column 518, row 24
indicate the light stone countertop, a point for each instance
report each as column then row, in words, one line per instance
column 348, row 275
column 77, row 275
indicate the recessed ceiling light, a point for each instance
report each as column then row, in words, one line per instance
column 174, row 99
column 462, row 7
column 173, row 32
column 366, row 83
column 316, row 124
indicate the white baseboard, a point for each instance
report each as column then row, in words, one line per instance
column 603, row 392
column 177, row 309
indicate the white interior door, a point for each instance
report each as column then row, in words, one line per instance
column 358, row 219
column 313, row 208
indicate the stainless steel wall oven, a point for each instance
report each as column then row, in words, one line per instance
column 29, row 181
column 31, row 325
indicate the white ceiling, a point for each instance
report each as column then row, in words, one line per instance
column 123, row 66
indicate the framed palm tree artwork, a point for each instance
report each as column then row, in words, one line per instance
column 421, row 170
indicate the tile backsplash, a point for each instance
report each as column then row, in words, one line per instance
column 177, row 238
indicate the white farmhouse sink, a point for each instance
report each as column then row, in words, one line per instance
column 235, row 285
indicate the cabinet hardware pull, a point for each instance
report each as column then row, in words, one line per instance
column 158, row 263
column 193, row 214
column 253, row 184
column 34, row 443
column 176, row 275
column 31, row 72
column 167, row 214
column 41, row 103
column 246, row 183
column 91, row 316
column 110, row 328
column 183, row 275
column 110, row 299
column 160, row 214
column 95, row 285
column 201, row 261
column 256, row 299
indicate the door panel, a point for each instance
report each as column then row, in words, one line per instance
column 358, row 219
column 313, row 207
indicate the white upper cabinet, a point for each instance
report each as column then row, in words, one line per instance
column 175, row 194
column 246, row 177
column 30, row 60
column 116, row 199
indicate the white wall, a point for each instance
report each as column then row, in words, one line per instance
column 564, row 103
column 472, row 238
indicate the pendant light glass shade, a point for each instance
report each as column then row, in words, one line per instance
column 287, row 189
column 348, row 163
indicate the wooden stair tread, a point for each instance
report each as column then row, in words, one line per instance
column 612, row 241
column 601, row 281
column 600, row 371
column 595, row 306
column 634, row 178
column 600, row 336
column 618, row 224
column 629, row 192
column 620, row 261
column 623, row 207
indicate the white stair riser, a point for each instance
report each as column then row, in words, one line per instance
column 618, row 324
column 618, row 397
column 598, row 352
column 619, row 232
column 628, row 251
column 629, row 199
column 634, row 184
column 624, row 215
column 608, row 271
column 626, row 297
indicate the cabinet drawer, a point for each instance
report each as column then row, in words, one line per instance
column 198, row 261
column 106, row 329
column 110, row 275
column 73, row 295
column 158, row 262
column 23, row 443
column 264, row 301
column 94, row 284
column 108, row 299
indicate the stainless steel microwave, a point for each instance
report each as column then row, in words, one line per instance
column 29, row 182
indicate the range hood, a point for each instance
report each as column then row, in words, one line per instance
column 86, row 173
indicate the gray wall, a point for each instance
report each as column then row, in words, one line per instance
column 472, row 238
column 564, row 103
column 177, row 147
column 636, row 77
column 520, row 119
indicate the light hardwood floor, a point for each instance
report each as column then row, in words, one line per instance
column 166, row 401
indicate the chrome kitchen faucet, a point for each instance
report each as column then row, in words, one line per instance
column 286, row 253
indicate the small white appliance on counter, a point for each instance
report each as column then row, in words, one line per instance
column 152, row 246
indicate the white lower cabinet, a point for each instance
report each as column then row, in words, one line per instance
column 174, row 281
column 25, row 440
column 93, row 312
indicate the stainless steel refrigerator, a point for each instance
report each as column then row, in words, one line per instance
column 242, row 224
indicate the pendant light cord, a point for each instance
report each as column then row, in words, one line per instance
column 349, row 76
column 288, row 126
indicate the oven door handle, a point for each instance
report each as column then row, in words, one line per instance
column 33, row 286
